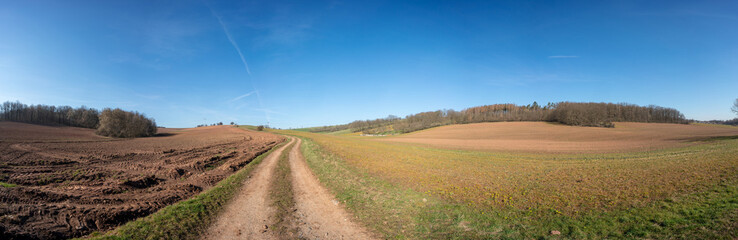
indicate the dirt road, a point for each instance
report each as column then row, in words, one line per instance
column 246, row 216
column 68, row 182
column 317, row 216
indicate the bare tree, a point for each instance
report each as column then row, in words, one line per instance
column 123, row 124
column 735, row 107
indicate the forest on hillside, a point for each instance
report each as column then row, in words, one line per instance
column 570, row 113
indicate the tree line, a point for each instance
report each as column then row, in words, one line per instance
column 50, row 115
column 216, row 124
column 570, row 113
column 731, row 122
column 109, row 122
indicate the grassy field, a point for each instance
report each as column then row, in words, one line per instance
column 410, row 191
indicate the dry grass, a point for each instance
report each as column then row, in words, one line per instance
column 558, row 138
column 561, row 183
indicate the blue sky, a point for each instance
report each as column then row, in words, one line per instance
column 316, row 63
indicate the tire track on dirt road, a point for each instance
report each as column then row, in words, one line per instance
column 317, row 214
column 247, row 214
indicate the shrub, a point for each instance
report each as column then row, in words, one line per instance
column 123, row 124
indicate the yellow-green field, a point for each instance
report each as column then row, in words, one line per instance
column 485, row 188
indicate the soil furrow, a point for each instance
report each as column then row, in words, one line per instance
column 63, row 182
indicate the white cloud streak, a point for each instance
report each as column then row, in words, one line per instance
column 241, row 97
column 243, row 59
column 230, row 38
column 563, row 56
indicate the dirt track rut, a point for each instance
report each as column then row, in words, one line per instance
column 317, row 216
column 250, row 210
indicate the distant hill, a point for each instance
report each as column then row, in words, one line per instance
column 569, row 113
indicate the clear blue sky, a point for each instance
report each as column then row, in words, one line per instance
column 322, row 63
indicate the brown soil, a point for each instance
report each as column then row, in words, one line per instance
column 317, row 214
column 557, row 138
column 249, row 214
column 72, row 182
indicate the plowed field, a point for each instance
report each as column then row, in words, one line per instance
column 66, row 182
column 556, row 138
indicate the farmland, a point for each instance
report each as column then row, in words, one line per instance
column 683, row 185
column 61, row 182
column 557, row 138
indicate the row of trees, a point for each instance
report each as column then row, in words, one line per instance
column 49, row 115
column 732, row 122
column 570, row 113
column 109, row 122
column 216, row 124
column 603, row 114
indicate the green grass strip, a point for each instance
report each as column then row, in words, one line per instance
column 187, row 219
column 4, row 184
column 393, row 212
column 282, row 196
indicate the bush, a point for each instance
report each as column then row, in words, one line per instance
column 123, row 124
column 260, row 128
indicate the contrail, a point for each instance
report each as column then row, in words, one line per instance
column 563, row 56
column 230, row 38
column 242, row 96
column 243, row 59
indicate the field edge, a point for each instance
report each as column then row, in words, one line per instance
column 398, row 212
column 189, row 218
column 392, row 211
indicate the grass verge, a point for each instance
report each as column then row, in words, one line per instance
column 4, row 184
column 282, row 197
column 399, row 212
column 189, row 218
column 392, row 211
